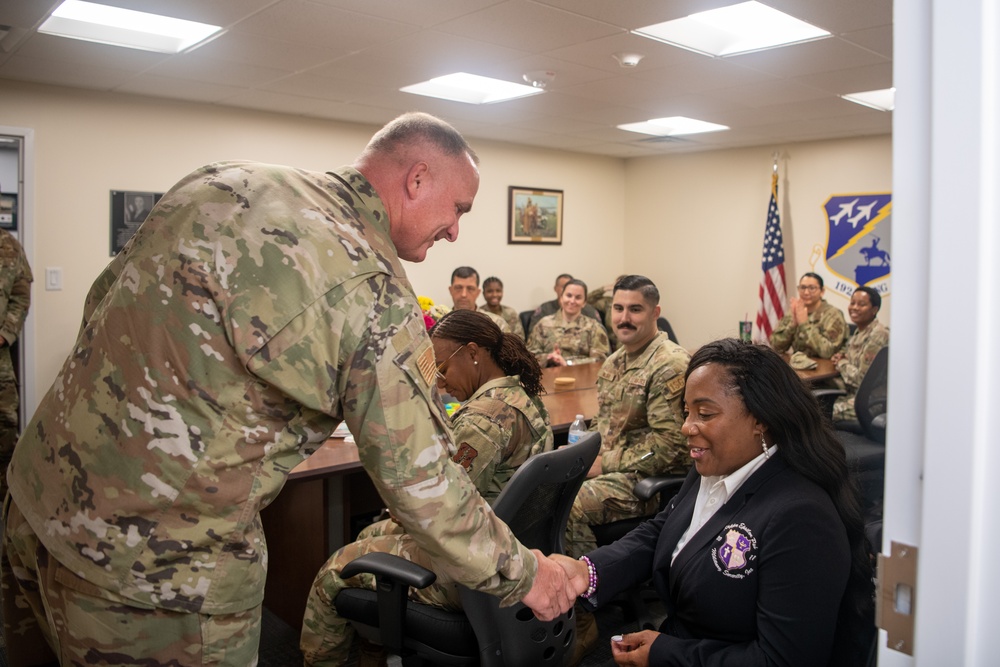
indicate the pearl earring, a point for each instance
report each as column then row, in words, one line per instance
column 763, row 446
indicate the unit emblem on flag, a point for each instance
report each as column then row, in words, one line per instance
column 859, row 237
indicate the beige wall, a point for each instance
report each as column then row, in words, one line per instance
column 89, row 143
column 695, row 223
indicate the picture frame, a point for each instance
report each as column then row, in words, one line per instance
column 128, row 211
column 534, row 215
column 8, row 211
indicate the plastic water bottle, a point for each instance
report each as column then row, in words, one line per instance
column 576, row 430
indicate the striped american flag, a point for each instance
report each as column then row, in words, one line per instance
column 772, row 264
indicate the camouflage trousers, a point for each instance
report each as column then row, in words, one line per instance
column 843, row 409
column 602, row 499
column 326, row 637
column 49, row 614
column 9, row 404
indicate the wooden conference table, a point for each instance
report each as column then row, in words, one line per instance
column 328, row 496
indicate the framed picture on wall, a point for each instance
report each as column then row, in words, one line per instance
column 8, row 211
column 534, row 215
column 128, row 210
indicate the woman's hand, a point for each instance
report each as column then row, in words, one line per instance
column 837, row 357
column 576, row 571
column 799, row 313
column 555, row 357
column 633, row 649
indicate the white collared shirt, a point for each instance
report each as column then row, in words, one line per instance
column 713, row 494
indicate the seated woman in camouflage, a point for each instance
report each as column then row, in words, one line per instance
column 853, row 361
column 500, row 424
column 812, row 326
column 567, row 337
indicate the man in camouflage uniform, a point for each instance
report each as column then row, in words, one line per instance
column 812, row 326
column 464, row 290
column 855, row 359
column 639, row 391
column 15, row 297
column 256, row 308
column 552, row 307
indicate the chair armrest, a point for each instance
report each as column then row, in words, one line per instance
column 387, row 565
column 823, row 393
column 649, row 487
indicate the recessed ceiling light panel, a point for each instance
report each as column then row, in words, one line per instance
column 672, row 126
column 471, row 89
column 103, row 24
column 883, row 100
column 727, row 31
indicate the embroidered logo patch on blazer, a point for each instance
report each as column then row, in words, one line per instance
column 737, row 551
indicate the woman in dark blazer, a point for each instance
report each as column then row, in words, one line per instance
column 761, row 557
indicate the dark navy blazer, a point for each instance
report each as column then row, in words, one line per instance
column 760, row 584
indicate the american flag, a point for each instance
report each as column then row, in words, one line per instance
column 772, row 264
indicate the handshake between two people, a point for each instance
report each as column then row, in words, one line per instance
column 559, row 582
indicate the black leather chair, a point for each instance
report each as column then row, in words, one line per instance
column 535, row 504
column 664, row 325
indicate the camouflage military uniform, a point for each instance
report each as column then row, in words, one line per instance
column 496, row 431
column 497, row 320
column 552, row 307
column 858, row 356
column 821, row 336
column 256, row 308
column 639, row 418
column 15, row 297
column 509, row 316
column 582, row 340
column 602, row 299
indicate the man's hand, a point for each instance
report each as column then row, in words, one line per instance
column 633, row 649
column 576, row 570
column 551, row 594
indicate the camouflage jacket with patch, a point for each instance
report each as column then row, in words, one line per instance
column 256, row 308
column 640, row 411
column 859, row 354
column 821, row 336
column 496, row 431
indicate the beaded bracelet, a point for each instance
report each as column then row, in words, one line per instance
column 592, row 574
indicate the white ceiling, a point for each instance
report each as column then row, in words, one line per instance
column 346, row 60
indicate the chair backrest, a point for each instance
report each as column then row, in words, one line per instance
column 664, row 325
column 525, row 316
column 537, row 499
column 535, row 504
column 870, row 401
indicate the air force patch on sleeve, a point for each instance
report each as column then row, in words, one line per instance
column 735, row 551
column 465, row 456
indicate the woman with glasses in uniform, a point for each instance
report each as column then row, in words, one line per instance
column 812, row 326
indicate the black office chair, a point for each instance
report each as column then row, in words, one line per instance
column 525, row 316
column 535, row 504
column 869, row 402
column 634, row 600
column 664, row 325
column 864, row 440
